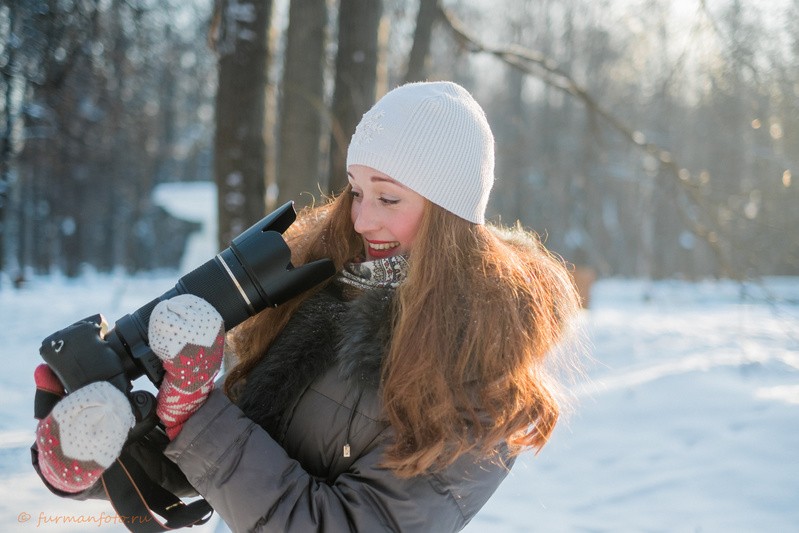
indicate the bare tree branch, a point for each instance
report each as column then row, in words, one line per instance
column 538, row 65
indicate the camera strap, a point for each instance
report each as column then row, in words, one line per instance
column 137, row 499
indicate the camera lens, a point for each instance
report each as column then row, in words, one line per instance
column 224, row 282
column 253, row 273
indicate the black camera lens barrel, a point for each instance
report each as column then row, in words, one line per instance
column 215, row 282
column 236, row 272
column 253, row 273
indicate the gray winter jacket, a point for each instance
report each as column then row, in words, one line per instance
column 300, row 451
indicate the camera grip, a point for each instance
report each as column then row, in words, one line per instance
column 144, row 405
column 79, row 355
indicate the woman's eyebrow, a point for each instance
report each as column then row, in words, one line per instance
column 379, row 179
column 383, row 179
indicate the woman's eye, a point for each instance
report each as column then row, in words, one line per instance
column 388, row 201
column 355, row 194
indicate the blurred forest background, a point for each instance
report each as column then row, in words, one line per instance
column 640, row 138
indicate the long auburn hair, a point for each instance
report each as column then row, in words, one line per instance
column 474, row 321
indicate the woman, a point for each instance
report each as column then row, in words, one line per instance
column 396, row 396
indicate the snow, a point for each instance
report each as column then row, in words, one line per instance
column 687, row 421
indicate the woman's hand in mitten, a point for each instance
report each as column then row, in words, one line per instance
column 188, row 335
column 83, row 434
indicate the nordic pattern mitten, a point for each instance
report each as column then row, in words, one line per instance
column 83, row 435
column 188, row 335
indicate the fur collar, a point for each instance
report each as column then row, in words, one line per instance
column 325, row 330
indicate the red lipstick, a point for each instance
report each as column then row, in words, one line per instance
column 382, row 253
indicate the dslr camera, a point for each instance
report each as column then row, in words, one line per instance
column 253, row 273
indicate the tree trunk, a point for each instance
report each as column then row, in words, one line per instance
column 418, row 62
column 239, row 147
column 5, row 139
column 356, row 78
column 302, row 103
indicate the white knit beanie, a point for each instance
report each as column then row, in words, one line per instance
column 432, row 137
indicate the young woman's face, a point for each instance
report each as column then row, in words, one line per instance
column 385, row 213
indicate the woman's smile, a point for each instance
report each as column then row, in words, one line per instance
column 380, row 249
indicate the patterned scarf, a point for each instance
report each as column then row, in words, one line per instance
column 385, row 273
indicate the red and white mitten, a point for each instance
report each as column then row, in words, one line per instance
column 83, row 434
column 188, row 335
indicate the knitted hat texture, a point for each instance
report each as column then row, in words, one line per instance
column 432, row 137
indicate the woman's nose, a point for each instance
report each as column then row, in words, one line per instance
column 364, row 219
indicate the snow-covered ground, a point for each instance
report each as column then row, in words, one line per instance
column 689, row 420
column 690, row 423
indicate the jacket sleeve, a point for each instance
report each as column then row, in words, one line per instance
column 254, row 485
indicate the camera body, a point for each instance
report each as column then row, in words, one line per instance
column 253, row 273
